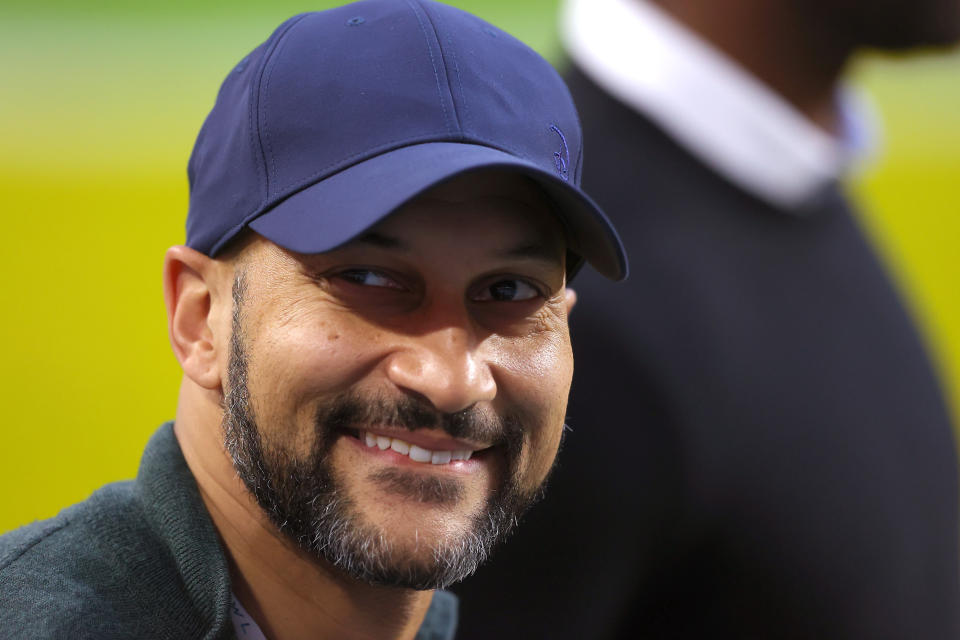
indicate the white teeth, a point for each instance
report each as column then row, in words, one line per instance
column 440, row 457
column 417, row 454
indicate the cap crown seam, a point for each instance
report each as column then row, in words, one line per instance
column 451, row 121
column 266, row 145
column 451, row 48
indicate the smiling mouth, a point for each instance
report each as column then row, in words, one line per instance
column 414, row 452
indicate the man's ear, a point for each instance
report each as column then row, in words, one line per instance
column 189, row 288
column 570, row 299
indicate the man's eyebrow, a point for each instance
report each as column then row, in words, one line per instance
column 526, row 251
column 533, row 251
column 382, row 241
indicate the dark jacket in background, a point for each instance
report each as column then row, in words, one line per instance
column 759, row 448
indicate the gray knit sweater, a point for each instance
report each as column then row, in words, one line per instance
column 138, row 559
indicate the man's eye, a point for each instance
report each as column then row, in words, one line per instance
column 369, row 278
column 508, row 291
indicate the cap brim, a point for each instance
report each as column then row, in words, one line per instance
column 356, row 198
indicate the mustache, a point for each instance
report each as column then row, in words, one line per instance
column 352, row 411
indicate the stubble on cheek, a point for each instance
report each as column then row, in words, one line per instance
column 537, row 373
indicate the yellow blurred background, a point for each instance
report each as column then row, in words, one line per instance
column 99, row 106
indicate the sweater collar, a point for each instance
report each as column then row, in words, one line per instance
column 175, row 511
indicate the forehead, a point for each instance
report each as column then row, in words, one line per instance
column 480, row 207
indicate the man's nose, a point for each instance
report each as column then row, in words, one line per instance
column 444, row 367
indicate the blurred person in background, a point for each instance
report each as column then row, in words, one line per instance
column 760, row 448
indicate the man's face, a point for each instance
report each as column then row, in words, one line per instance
column 396, row 403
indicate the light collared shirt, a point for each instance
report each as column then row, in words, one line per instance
column 440, row 623
column 244, row 624
column 709, row 104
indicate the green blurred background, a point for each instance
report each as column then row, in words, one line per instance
column 99, row 106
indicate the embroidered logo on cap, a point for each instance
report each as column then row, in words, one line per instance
column 561, row 159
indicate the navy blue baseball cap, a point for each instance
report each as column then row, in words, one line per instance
column 343, row 116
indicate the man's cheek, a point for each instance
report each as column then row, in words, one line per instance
column 543, row 361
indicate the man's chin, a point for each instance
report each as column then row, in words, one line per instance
column 418, row 559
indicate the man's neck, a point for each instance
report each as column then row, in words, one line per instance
column 289, row 594
column 792, row 52
column 290, row 597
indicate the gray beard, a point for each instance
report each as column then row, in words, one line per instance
column 309, row 506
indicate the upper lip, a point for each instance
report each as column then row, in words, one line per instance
column 431, row 439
